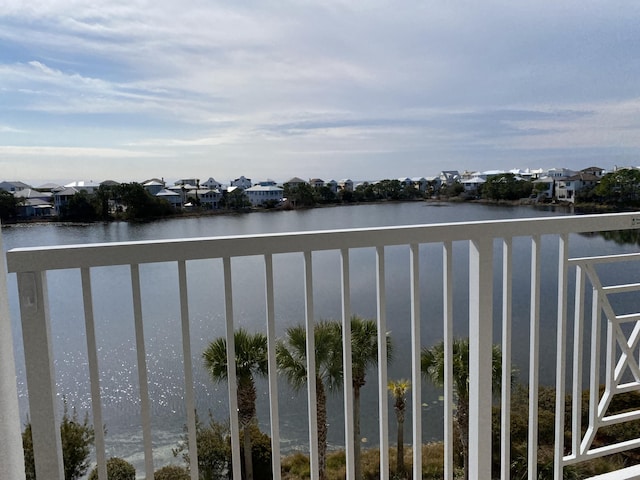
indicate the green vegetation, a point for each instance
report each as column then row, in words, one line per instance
column 77, row 438
column 506, row 186
column 8, row 206
column 398, row 390
column 432, row 366
column 621, row 187
column 291, row 355
column 117, row 469
column 251, row 359
column 171, row 472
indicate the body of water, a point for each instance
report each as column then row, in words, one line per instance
column 114, row 318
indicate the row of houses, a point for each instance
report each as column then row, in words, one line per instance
column 49, row 199
column 561, row 184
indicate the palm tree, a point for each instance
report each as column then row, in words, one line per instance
column 364, row 354
column 399, row 389
column 432, row 366
column 251, row 359
column 291, row 356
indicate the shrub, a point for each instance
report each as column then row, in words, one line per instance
column 76, row 437
column 171, row 472
column 117, row 469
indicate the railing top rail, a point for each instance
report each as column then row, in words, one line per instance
column 124, row 253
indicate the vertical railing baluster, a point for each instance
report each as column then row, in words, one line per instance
column 189, row 395
column 383, row 402
column 41, row 380
column 447, row 299
column 11, row 453
column 578, row 347
column 561, row 352
column 505, row 397
column 272, row 368
column 594, row 378
column 416, row 374
column 94, row 373
column 311, row 368
column 480, row 356
column 534, row 367
column 145, row 409
column 232, row 381
column 349, row 435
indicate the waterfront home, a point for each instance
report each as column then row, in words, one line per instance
column 567, row 188
column 89, row 187
column 294, row 182
column 173, row 197
column 263, row 193
column 241, row 182
column 62, row 196
column 33, row 203
column 154, row 186
column 212, row 184
column 346, row 184
column 13, row 187
column 316, row 182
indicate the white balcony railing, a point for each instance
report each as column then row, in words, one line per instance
column 483, row 238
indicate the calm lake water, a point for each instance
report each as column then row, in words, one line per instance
column 161, row 313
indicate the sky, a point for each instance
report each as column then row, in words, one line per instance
column 131, row 90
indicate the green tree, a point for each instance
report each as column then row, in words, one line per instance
column 117, row 469
column 101, row 199
column 235, row 200
column 140, row 204
column 325, row 195
column 251, row 359
column 8, row 205
column 171, row 472
column 364, row 354
column 79, row 208
column 432, row 366
column 213, row 449
column 506, row 186
column 291, row 355
column 399, row 389
column 77, row 438
column 301, row 195
column 621, row 186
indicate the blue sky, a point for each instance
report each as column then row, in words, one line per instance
column 136, row 89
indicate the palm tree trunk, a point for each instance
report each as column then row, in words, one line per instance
column 462, row 419
column 321, row 398
column 400, row 448
column 248, row 461
column 356, row 431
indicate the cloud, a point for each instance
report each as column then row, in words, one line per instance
column 259, row 83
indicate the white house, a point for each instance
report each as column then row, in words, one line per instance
column 62, row 196
column 13, row 187
column 153, row 186
column 241, row 182
column 472, row 184
column 420, row 183
column 346, row 184
column 567, row 188
column 174, row 198
column 260, row 194
column 211, row 184
column 88, row 186
column 316, row 182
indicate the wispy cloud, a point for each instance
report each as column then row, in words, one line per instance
column 265, row 83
